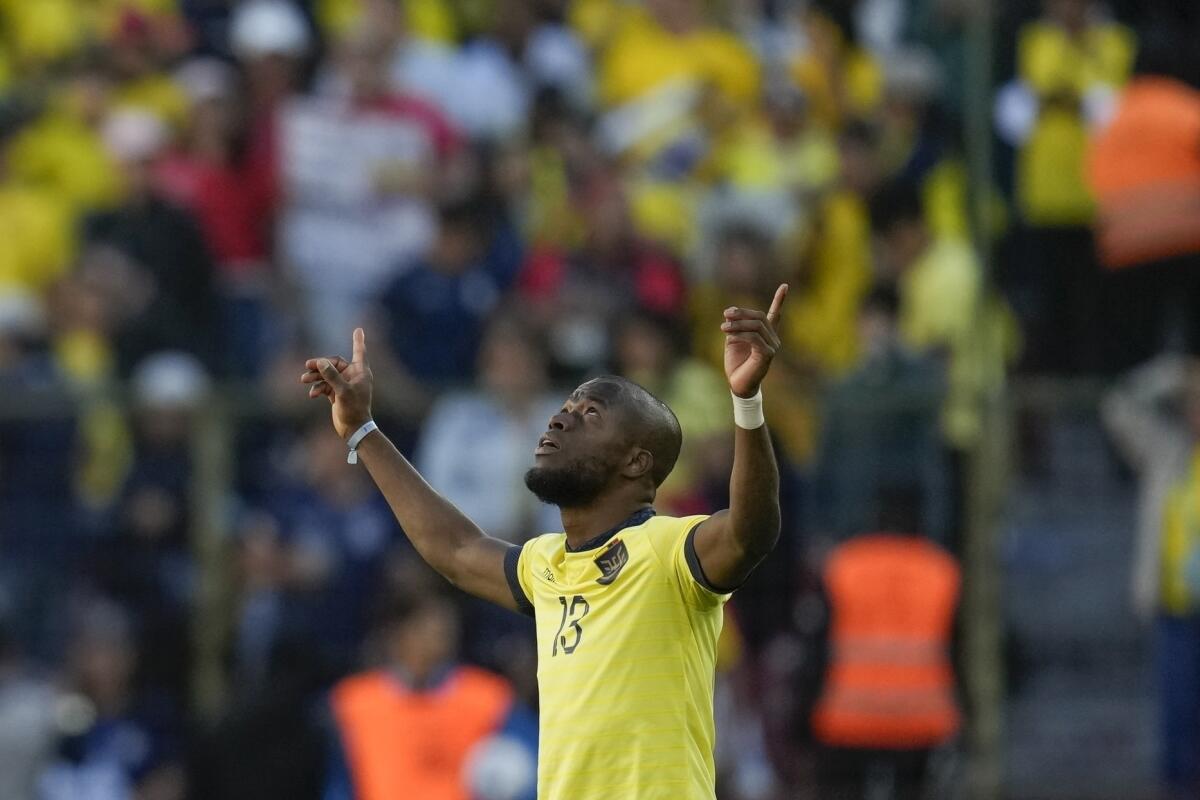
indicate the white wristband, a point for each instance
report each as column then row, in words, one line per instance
column 748, row 411
column 356, row 439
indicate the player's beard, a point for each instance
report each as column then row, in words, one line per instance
column 572, row 485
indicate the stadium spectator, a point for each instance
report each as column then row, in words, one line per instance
column 480, row 85
column 338, row 532
column 206, row 175
column 270, row 40
column 436, row 311
column 144, row 561
column 359, row 165
column 650, row 50
column 557, row 163
column 946, row 310
column 889, row 695
column 880, row 428
column 913, row 143
column 82, row 322
column 160, row 243
column 39, row 523
column 116, row 747
column 1154, row 417
column 1144, row 169
column 1070, row 62
column 136, row 60
column 843, row 79
column 105, row 318
column 836, row 267
column 419, row 723
column 35, row 222
column 62, row 151
column 579, row 294
column 474, row 446
column 260, row 619
column 269, row 740
column 28, row 726
column 767, row 169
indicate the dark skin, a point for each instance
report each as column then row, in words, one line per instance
column 591, row 423
column 588, row 423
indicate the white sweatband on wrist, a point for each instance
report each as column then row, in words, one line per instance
column 356, row 439
column 748, row 411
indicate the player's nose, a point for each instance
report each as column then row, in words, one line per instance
column 560, row 421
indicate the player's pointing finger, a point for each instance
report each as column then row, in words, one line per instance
column 777, row 303
column 360, row 347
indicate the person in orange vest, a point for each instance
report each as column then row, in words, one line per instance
column 1144, row 169
column 889, row 694
column 423, row 727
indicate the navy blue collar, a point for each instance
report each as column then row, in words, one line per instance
column 638, row 518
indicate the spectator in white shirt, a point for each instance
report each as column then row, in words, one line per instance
column 359, row 164
column 474, row 448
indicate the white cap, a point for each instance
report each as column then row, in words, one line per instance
column 131, row 134
column 170, row 380
column 206, row 79
column 269, row 27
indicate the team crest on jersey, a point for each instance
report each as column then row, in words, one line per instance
column 611, row 562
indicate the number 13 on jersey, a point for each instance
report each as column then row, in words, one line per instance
column 569, row 630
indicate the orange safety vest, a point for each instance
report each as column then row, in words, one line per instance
column 406, row 745
column 1144, row 170
column 889, row 684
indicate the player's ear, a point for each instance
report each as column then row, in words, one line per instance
column 639, row 463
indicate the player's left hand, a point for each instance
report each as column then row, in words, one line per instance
column 750, row 344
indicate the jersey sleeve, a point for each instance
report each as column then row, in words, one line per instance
column 516, row 571
column 685, row 568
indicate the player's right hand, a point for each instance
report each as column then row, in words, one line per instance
column 346, row 384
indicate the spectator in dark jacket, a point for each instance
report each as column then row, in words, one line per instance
column 435, row 312
column 164, row 244
column 881, row 428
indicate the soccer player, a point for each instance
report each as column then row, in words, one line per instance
column 627, row 604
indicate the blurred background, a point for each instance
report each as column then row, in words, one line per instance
column 989, row 214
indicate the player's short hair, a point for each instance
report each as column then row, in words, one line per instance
column 651, row 422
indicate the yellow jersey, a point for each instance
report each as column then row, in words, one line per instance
column 627, row 633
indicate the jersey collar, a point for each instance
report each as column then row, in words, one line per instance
column 638, row 518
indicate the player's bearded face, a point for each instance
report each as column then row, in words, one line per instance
column 571, row 485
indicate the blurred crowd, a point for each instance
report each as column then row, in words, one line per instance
column 509, row 195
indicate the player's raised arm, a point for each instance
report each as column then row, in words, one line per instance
column 449, row 541
column 731, row 543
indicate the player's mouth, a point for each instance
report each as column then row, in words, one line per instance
column 546, row 446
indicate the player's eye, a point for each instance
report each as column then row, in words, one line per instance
column 592, row 410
